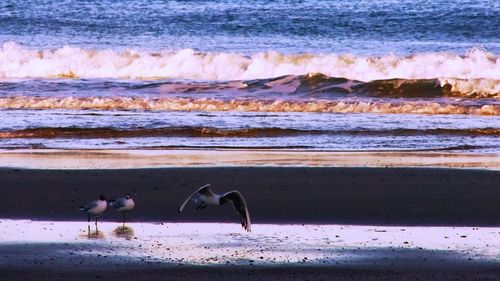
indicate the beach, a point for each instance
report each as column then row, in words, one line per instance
column 376, row 196
column 308, row 223
column 195, row 251
column 362, row 135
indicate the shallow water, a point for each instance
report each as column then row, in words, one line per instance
column 284, row 130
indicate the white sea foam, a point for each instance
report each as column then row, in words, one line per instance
column 484, row 88
column 17, row 61
column 203, row 104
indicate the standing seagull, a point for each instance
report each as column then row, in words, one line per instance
column 123, row 204
column 95, row 208
column 204, row 197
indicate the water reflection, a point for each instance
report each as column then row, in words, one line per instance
column 92, row 234
column 124, row 232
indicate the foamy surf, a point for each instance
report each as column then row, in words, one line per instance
column 212, row 104
column 17, row 61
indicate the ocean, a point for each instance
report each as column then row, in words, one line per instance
column 295, row 75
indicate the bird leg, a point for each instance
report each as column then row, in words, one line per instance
column 123, row 213
column 88, row 225
column 96, row 230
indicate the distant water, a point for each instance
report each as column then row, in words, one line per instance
column 310, row 26
column 314, row 75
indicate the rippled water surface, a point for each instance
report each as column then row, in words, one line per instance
column 367, row 27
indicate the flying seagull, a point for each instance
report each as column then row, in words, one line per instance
column 95, row 208
column 123, row 205
column 204, row 196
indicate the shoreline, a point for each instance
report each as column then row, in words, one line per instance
column 133, row 159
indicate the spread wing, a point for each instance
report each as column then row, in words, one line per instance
column 240, row 206
column 204, row 190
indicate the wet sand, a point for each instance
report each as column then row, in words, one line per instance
column 134, row 159
column 199, row 251
column 383, row 197
column 371, row 196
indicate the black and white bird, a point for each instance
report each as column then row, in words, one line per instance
column 95, row 208
column 204, row 196
column 123, row 205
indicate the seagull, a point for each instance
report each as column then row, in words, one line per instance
column 204, row 196
column 123, row 204
column 95, row 208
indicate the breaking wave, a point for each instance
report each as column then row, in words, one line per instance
column 302, row 86
column 209, row 104
column 17, row 61
column 317, row 84
column 72, row 132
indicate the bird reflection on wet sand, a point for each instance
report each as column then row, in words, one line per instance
column 93, row 235
column 124, row 232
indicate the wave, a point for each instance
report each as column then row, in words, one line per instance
column 17, row 61
column 318, row 84
column 433, row 88
column 72, row 132
column 212, row 104
column 302, row 86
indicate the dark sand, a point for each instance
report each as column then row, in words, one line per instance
column 372, row 196
column 243, row 273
